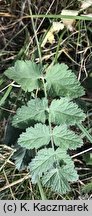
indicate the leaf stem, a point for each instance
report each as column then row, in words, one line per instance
column 43, row 197
column 44, row 87
column 58, row 46
column 52, row 143
column 85, row 132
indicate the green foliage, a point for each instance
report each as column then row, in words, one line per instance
column 49, row 122
column 25, row 73
column 35, row 137
column 87, row 188
column 22, row 157
column 88, row 158
column 45, row 160
column 34, row 110
column 57, row 179
column 66, row 138
column 39, row 135
column 63, row 111
column 19, row 158
column 62, row 82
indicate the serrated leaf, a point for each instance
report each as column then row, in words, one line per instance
column 41, row 163
column 35, row 137
column 63, row 82
column 46, row 159
column 25, row 73
column 65, row 138
column 34, row 111
column 65, row 112
column 57, row 179
column 22, row 157
column 69, row 172
column 19, row 158
column 61, row 154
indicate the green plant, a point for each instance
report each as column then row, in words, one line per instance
column 87, row 188
column 47, row 118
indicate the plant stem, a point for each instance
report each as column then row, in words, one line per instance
column 5, row 95
column 57, row 16
column 45, row 93
column 43, row 197
column 85, row 132
column 52, row 143
column 36, row 38
column 38, row 46
column 58, row 46
column 83, row 152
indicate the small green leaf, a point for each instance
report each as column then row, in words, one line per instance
column 25, row 73
column 57, row 179
column 69, row 172
column 35, row 137
column 22, row 157
column 45, row 160
column 65, row 138
column 34, row 111
column 88, row 158
column 41, row 163
column 65, row 112
column 63, row 82
column 87, row 188
column 19, row 158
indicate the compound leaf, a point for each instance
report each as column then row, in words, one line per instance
column 35, row 137
column 25, row 73
column 65, row 112
column 34, row 111
column 63, row 82
column 65, row 138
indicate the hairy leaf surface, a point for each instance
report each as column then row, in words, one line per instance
column 63, row 82
column 69, row 172
column 25, row 73
column 46, row 159
column 34, row 111
column 57, row 179
column 65, row 112
column 35, row 137
column 65, row 138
